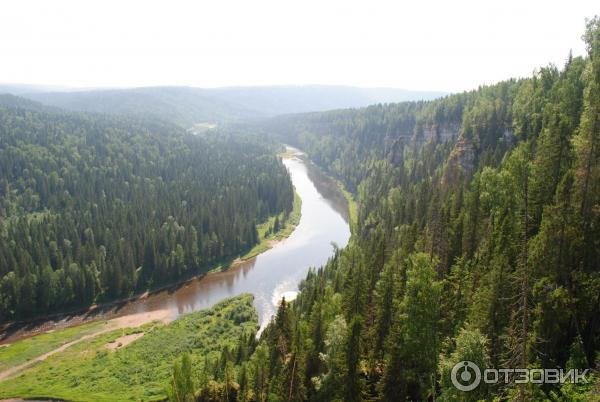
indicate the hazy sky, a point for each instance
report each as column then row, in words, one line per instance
column 414, row 44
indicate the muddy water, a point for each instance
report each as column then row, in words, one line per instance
column 269, row 276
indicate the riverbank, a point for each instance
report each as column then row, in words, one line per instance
column 352, row 205
column 268, row 238
column 291, row 152
column 96, row 312
column 275, row 273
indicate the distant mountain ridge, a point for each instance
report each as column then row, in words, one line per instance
column 275, row 100
column 181, row 105
column 10, row 100
column 187, row 105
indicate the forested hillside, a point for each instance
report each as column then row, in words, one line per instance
column 478, row 239
column 187, row 106
column 181, row 105
column 94, row 208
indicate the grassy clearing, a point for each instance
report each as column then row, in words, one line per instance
column 89, row 371
column 22, row 351
column 266, row 235
column 352, row 205
column 265, row 229
column 287, row 154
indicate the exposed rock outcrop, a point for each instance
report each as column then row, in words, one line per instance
column 460, row 162
column 435, row 132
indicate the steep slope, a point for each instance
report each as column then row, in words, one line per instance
column 478, row 239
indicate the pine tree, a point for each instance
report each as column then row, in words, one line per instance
column 181, row 386
column 352, row 382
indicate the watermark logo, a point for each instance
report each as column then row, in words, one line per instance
column 466, row 376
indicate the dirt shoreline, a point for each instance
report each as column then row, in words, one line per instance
column 18, row 330
column 109, row 312
column 126, row 321
column 85, row 316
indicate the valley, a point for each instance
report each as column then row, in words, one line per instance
column 276, row 242
column 275, row 272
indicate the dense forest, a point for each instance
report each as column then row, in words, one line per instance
column 478, row 239
column 95, row 208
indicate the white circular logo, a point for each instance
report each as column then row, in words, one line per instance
column 465, row 375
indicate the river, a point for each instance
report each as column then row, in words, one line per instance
column 274, row 274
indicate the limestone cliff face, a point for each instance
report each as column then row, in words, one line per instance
column 435, row 132
column 460, row 162
column 396, row 154
column 441, row 133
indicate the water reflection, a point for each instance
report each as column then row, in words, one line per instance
column 278, row 271
column 270, row 275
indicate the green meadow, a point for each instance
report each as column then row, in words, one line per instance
column 91, row 371
column 23, row 351
column 266, row 234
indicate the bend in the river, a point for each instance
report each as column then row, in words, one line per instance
column 269, row 276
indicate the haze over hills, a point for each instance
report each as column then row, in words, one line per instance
column 274, row 100
column 187, row 105
column 14, row 101
column 19, row 89
column 182, row 105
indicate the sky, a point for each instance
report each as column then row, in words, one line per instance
column 411, row 44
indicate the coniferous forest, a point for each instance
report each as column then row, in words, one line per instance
column 478, row 239
column 95, row 208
